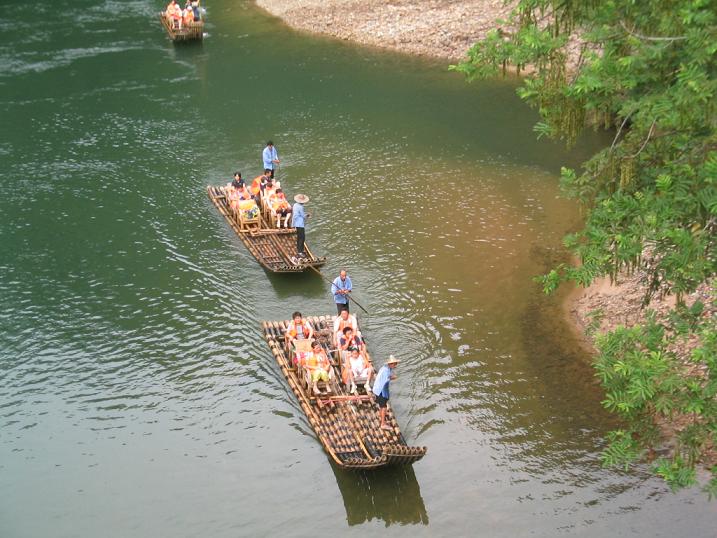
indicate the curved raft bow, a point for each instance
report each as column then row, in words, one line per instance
column 346, row 425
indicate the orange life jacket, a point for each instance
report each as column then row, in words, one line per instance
column 256, row 185
column 188, row 15
column 292, row 330
column 322, row 359
column 279, row 202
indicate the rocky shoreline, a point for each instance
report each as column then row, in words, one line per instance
column 433, row 28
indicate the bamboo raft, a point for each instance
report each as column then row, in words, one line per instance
column 273, row 248
column 194, row 31
column 347, row 426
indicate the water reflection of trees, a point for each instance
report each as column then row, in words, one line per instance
column 391, row 494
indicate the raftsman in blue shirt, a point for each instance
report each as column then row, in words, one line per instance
column 380, row 386
column 297, row 215
column 269, row 155
column 338, row 285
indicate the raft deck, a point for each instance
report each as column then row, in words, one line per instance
column 194, row 31
column 347, row 426
column 273, row 248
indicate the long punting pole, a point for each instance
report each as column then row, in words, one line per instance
column 330, row 282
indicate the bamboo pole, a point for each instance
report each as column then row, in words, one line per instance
column 331, row 282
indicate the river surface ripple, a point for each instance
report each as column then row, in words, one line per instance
column 136, row 395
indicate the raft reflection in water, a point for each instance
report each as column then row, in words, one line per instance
column 393, row 496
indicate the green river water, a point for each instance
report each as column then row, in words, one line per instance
column 137, row 398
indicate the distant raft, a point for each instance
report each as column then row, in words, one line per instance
column 274, row 248
column 347, row 425
column 190, row 31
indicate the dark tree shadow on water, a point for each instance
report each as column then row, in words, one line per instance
column 390, row 494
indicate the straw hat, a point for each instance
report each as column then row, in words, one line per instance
column 301, row 198
column 392, row 360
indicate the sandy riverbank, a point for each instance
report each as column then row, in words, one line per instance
column 437, row 28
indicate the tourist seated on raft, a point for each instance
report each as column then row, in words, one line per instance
column 238, row 196
column 269, row 190
column 348, row 340
column 298, row 329
column 258, row 185
column 356, row 369
column 194, row 6
column 174, row 14
column 266, row 191
column 280, row 208
column 342, row 321
column 187, row 15
column 230, row 191
column 243, row 193
column 237, row 181
column 318, row 367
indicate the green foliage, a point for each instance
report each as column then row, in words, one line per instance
column 648, row 71
column 645, row 382
column 595, row 318
column 621, row 451
column 711, row 487
column 676, row 473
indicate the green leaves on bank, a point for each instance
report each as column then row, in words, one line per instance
column 647, row 71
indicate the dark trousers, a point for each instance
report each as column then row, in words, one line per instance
column 272, row 173
column 340, row 307
column 300, row 238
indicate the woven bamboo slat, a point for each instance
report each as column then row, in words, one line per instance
column 346, row 425
column 273, row 248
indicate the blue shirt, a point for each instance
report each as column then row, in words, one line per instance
column 339, row 284
column 380, row 386
column 268, row 155
column 298, row 216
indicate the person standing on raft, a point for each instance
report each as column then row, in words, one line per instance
column 380, row 388
column 298, row 221
column 341, row 287
column 270, row 157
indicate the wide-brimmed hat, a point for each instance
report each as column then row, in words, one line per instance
column 392, row 360
column 301, row 198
